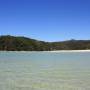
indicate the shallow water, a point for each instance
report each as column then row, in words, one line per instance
column 44, row 71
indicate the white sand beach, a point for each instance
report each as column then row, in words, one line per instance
column 58, row 51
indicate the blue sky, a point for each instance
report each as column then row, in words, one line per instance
column 48, row 20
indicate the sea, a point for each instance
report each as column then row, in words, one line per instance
column 44, row 70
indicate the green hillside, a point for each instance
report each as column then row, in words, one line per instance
column 13, row 43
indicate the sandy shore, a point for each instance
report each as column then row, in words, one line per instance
column 71, row 51
column 57, row 51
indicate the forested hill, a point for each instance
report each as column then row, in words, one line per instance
column 12, row 43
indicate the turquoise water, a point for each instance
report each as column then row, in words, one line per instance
column 44, row 71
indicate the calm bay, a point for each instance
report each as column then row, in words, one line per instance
column 44, row 70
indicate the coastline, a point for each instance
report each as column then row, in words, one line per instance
column 56, row 51
column 71, row 51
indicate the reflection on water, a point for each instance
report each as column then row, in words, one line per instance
column 44, row 71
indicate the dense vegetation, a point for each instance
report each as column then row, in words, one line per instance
column 12, row 43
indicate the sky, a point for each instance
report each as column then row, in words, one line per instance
column 47, row 20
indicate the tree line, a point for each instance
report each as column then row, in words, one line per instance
column 13, row 43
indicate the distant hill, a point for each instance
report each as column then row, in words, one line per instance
column 12, row 43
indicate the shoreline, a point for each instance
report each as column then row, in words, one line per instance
column 56, row 51
column 72, row 51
